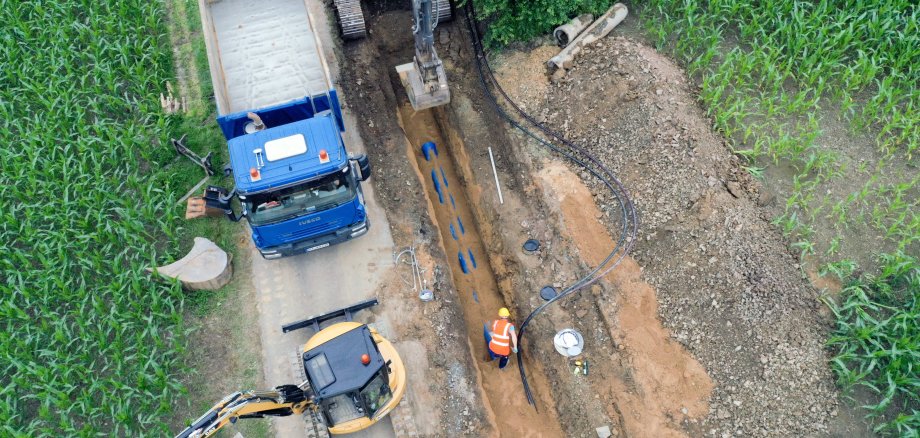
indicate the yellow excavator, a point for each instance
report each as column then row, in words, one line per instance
column 351, row 377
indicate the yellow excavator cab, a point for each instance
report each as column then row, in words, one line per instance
column 351, row 377
column 355, row 375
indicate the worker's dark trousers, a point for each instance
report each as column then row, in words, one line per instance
column 502, row 360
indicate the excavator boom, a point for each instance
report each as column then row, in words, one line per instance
column 424, row 78
column 279, row 402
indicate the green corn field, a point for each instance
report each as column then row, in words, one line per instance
column 90, row 345
column 775, row 77
column 877, row 341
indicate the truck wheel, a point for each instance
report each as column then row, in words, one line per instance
column 351, row 19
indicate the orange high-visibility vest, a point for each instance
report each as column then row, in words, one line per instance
column 501, row 340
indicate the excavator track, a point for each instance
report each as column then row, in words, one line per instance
column 401, row 417
column 300, row 373
column 313, row 424
column 351, row 19
column 315, row 427
column 442, row 10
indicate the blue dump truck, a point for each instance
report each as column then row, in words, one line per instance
column 297, row 184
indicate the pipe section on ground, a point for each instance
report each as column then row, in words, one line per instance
column 567, row 32
column 599, row 29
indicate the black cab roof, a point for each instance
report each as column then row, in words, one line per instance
column 335, row 367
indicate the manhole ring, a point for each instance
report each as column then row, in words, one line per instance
column 548, row 293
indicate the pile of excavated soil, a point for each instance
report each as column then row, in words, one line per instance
column 728, row 288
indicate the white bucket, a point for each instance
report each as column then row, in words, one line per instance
column 569, row 342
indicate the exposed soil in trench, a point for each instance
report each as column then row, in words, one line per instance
column 473, row 280
column 455, row 352
column 654, row 380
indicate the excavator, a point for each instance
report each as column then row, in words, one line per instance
column 351, row 377
column 424, row 78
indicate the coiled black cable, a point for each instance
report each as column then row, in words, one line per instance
column 579, row 156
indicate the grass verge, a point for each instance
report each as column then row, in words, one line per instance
column 224, row 348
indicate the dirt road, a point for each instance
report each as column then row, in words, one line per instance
column 294, row 288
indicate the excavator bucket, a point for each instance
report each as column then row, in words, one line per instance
column 424, row 77
column 422, row 95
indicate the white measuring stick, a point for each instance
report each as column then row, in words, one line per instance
column 495, row 173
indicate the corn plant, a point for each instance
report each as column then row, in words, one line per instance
column 876, row 341
column 89, row 345
column 765, row 70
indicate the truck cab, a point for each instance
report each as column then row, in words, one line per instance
column 298, row 187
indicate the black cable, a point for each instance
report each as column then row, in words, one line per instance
column 630, row 222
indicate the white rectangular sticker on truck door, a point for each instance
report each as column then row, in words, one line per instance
column 285, row 147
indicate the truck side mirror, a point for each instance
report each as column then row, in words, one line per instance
column 364, row 166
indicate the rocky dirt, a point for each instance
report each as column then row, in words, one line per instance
column 654, row 384
column 728, row 288
column 458, row 378
column 710, row 329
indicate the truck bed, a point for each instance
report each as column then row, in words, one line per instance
column 262, row 53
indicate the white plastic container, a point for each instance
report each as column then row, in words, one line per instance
column 569, row 342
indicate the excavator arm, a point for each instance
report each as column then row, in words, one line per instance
column 424, row 78
column 280, row 402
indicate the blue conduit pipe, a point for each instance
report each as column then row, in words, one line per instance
column 463, row 266
column 428, row 148
column 437, row 186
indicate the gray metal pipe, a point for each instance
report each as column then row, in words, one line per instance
column 597, row 30
column 567, row 32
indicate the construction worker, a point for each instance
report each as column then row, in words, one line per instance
column 501, row 338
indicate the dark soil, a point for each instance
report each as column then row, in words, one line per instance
column 728, row 290
column 443, row 392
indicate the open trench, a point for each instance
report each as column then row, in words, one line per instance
column 641, row 384
column 474, row 280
